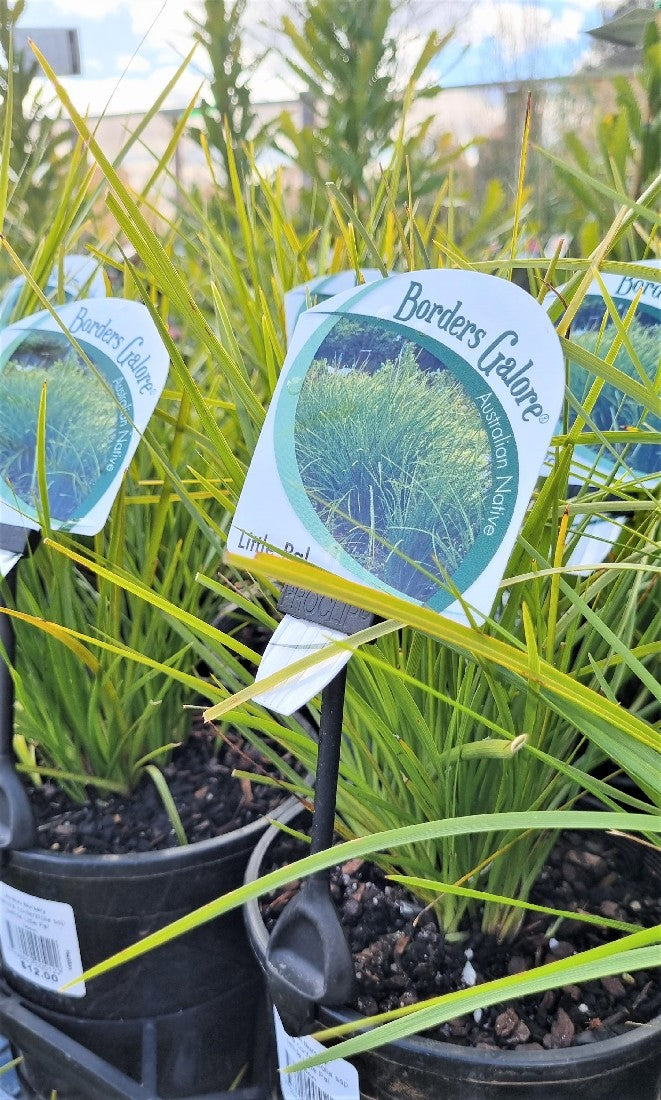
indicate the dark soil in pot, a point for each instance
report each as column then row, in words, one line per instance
column 591, row 1042
column 185, row 1013
column 401, row 956
column 210, row 802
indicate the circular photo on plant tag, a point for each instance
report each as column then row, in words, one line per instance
column 87, row 432
column 637, row 357
column 396, row 456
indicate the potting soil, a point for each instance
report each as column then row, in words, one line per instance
column 210, row 803
column 401, row 956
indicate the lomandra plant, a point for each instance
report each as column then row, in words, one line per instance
column 112, row 633
column 89, row 715
column 435, row 734
column 86, row 716
column 467, row 746
column 434, row 731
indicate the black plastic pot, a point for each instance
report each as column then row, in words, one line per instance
column 183, row 1015
column 81, row 1073
column 627, row 1067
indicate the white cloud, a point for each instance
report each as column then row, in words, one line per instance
column 506, row 28
column 165, row 22
column 591, row 57
column 82, row 9
column 163, row 56
column 273, row 81
column 134, row 63
column 601, row 8
column 131, row 94
column 519, row 27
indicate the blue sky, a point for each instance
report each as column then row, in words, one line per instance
column 495, row 40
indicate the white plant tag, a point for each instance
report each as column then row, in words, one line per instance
column 293, row 639
column 80, row 275
column 318, row 290
column 95, row 414
column 595, row 544
column 7, row 562
column 336, row 1080
column 39, row 941
column 613, row 410
column 405, row 437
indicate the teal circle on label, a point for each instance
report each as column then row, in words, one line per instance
column 89, row 415
column 614, row 410
column 504, row 463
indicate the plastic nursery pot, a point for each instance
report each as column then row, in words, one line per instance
column 627, row 1067
column 184, row 1014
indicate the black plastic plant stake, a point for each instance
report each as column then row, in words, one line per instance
column 308, row 960
column 16, row 820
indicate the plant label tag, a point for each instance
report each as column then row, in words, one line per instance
column 292, row 639
column 405, row 437
column 98, row 403
column 319, row 290
column 595, row 544
column 336, row 1080
column 80, row 275
column 13, row 541
column 39, row 941
column 615, row 411
column 7, row 562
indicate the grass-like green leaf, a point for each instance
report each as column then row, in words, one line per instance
column 367, row 846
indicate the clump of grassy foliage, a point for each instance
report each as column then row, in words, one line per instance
column 81, row 422
column 466, row 747
column 102, row 675
column 431, row 734
column 395, row 461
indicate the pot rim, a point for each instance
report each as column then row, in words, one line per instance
column 616, row 1048
column 61, row 864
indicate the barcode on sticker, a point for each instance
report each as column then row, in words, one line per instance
column 303, row 1088
column 39, row 949
column 39, row 942
column 336, row 1080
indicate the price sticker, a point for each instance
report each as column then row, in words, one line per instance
column 337, row 1080
column 39, row 942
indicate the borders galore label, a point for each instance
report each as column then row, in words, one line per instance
column 100, row 395
column 405, row 436
column 80, row 275
column 300, row 297
column 594, row 330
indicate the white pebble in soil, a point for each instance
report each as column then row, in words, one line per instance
column 468, row 975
